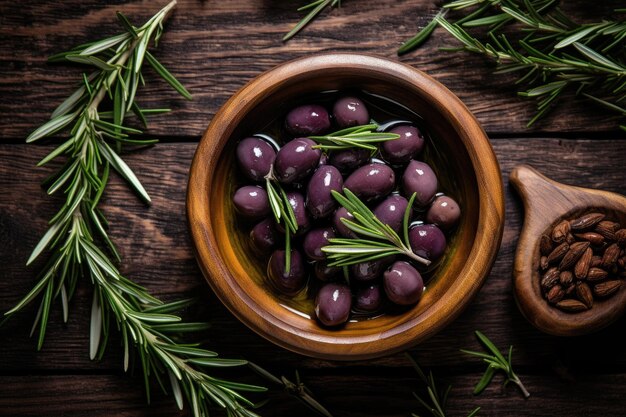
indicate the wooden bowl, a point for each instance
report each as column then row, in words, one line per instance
column 546, row 202
column 238, row 278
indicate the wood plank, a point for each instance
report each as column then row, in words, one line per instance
column 214, row 51
column 358, row 395
column 157, row 253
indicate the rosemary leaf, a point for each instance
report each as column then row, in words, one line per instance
column 146, row 324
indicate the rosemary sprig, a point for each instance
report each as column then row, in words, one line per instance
column 296, row 389
column 145, row 323
column 436, row 400
column 496, row 361
column 552, row 54
column 283, row 212
column 353, row 137
column 379, row 241
column 315, row 8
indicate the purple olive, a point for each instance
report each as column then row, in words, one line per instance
column 403, row 283
column 307, row 120
column 251, row 201
column 333, row 304
column 368, row 298
column 324, row 159
column 391, row 211
column 323, row 272
column 263, row 235
column 371, row 182
column 255, row 157
column 427, row 241
column 419, row 178
column 348, row 160
column 319, row 199
column 288, row 283
column 296, row 160
column 367, row 271
column 342, row 229
column 315, row 240
column 408, row 145
column 444, row 212
column 299, row 210
column 350, row 111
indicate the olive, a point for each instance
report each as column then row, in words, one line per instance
column 296, row 200
column 368, row 298
column 324, row 159
column 255, row 157
column 319, row 198
column 403, row 283
column 367, row 271
column 324, row 272
column 419, row 178
column 407, row 146
column 391, row 211
column 342, row 229
column 263, row 235
column 348, row 160
column 315, row 240
column 444, row 212
column 427, row 241
column 371, row 181
column 333, row 304
column 288, row 283
column 350, row 111
column 296, row 160
column 251, row 201
column 307, row 120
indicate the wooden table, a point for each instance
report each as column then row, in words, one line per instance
column 215, row 48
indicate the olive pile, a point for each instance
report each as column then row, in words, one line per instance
column 382, row 181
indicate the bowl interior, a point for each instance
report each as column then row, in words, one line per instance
column 238, row 276
column 603, row 312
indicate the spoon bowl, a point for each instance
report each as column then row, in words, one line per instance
column 546, row 202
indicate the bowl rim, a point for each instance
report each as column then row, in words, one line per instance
column 339, row 347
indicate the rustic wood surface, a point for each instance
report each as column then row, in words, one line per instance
column 215, row 48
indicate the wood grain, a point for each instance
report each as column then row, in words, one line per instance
column 390, row 394
column 214, row 48
column 546, row 202
column 233, row 272
column 157, row 252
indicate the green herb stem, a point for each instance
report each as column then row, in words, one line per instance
column 379, row 239
column 496, row 361
column 92, row 149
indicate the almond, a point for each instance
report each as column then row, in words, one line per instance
column 611, row 253
column 550, row 279
column 571, row 306
column 558, row 253
column 605, row 289
column 573, row 254
column 584, row 263
column 620, row 235
column 607, row 229
column 595, row 261
column 555, row 294
column 560, row 231
column 584, row 294
column 586, row 221
column 566, row 278
column 596, row 274
column 545, row 245
column 594, row 238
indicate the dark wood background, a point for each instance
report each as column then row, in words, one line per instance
column 214, row 48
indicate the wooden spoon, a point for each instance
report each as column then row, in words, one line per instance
column 546, row 202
